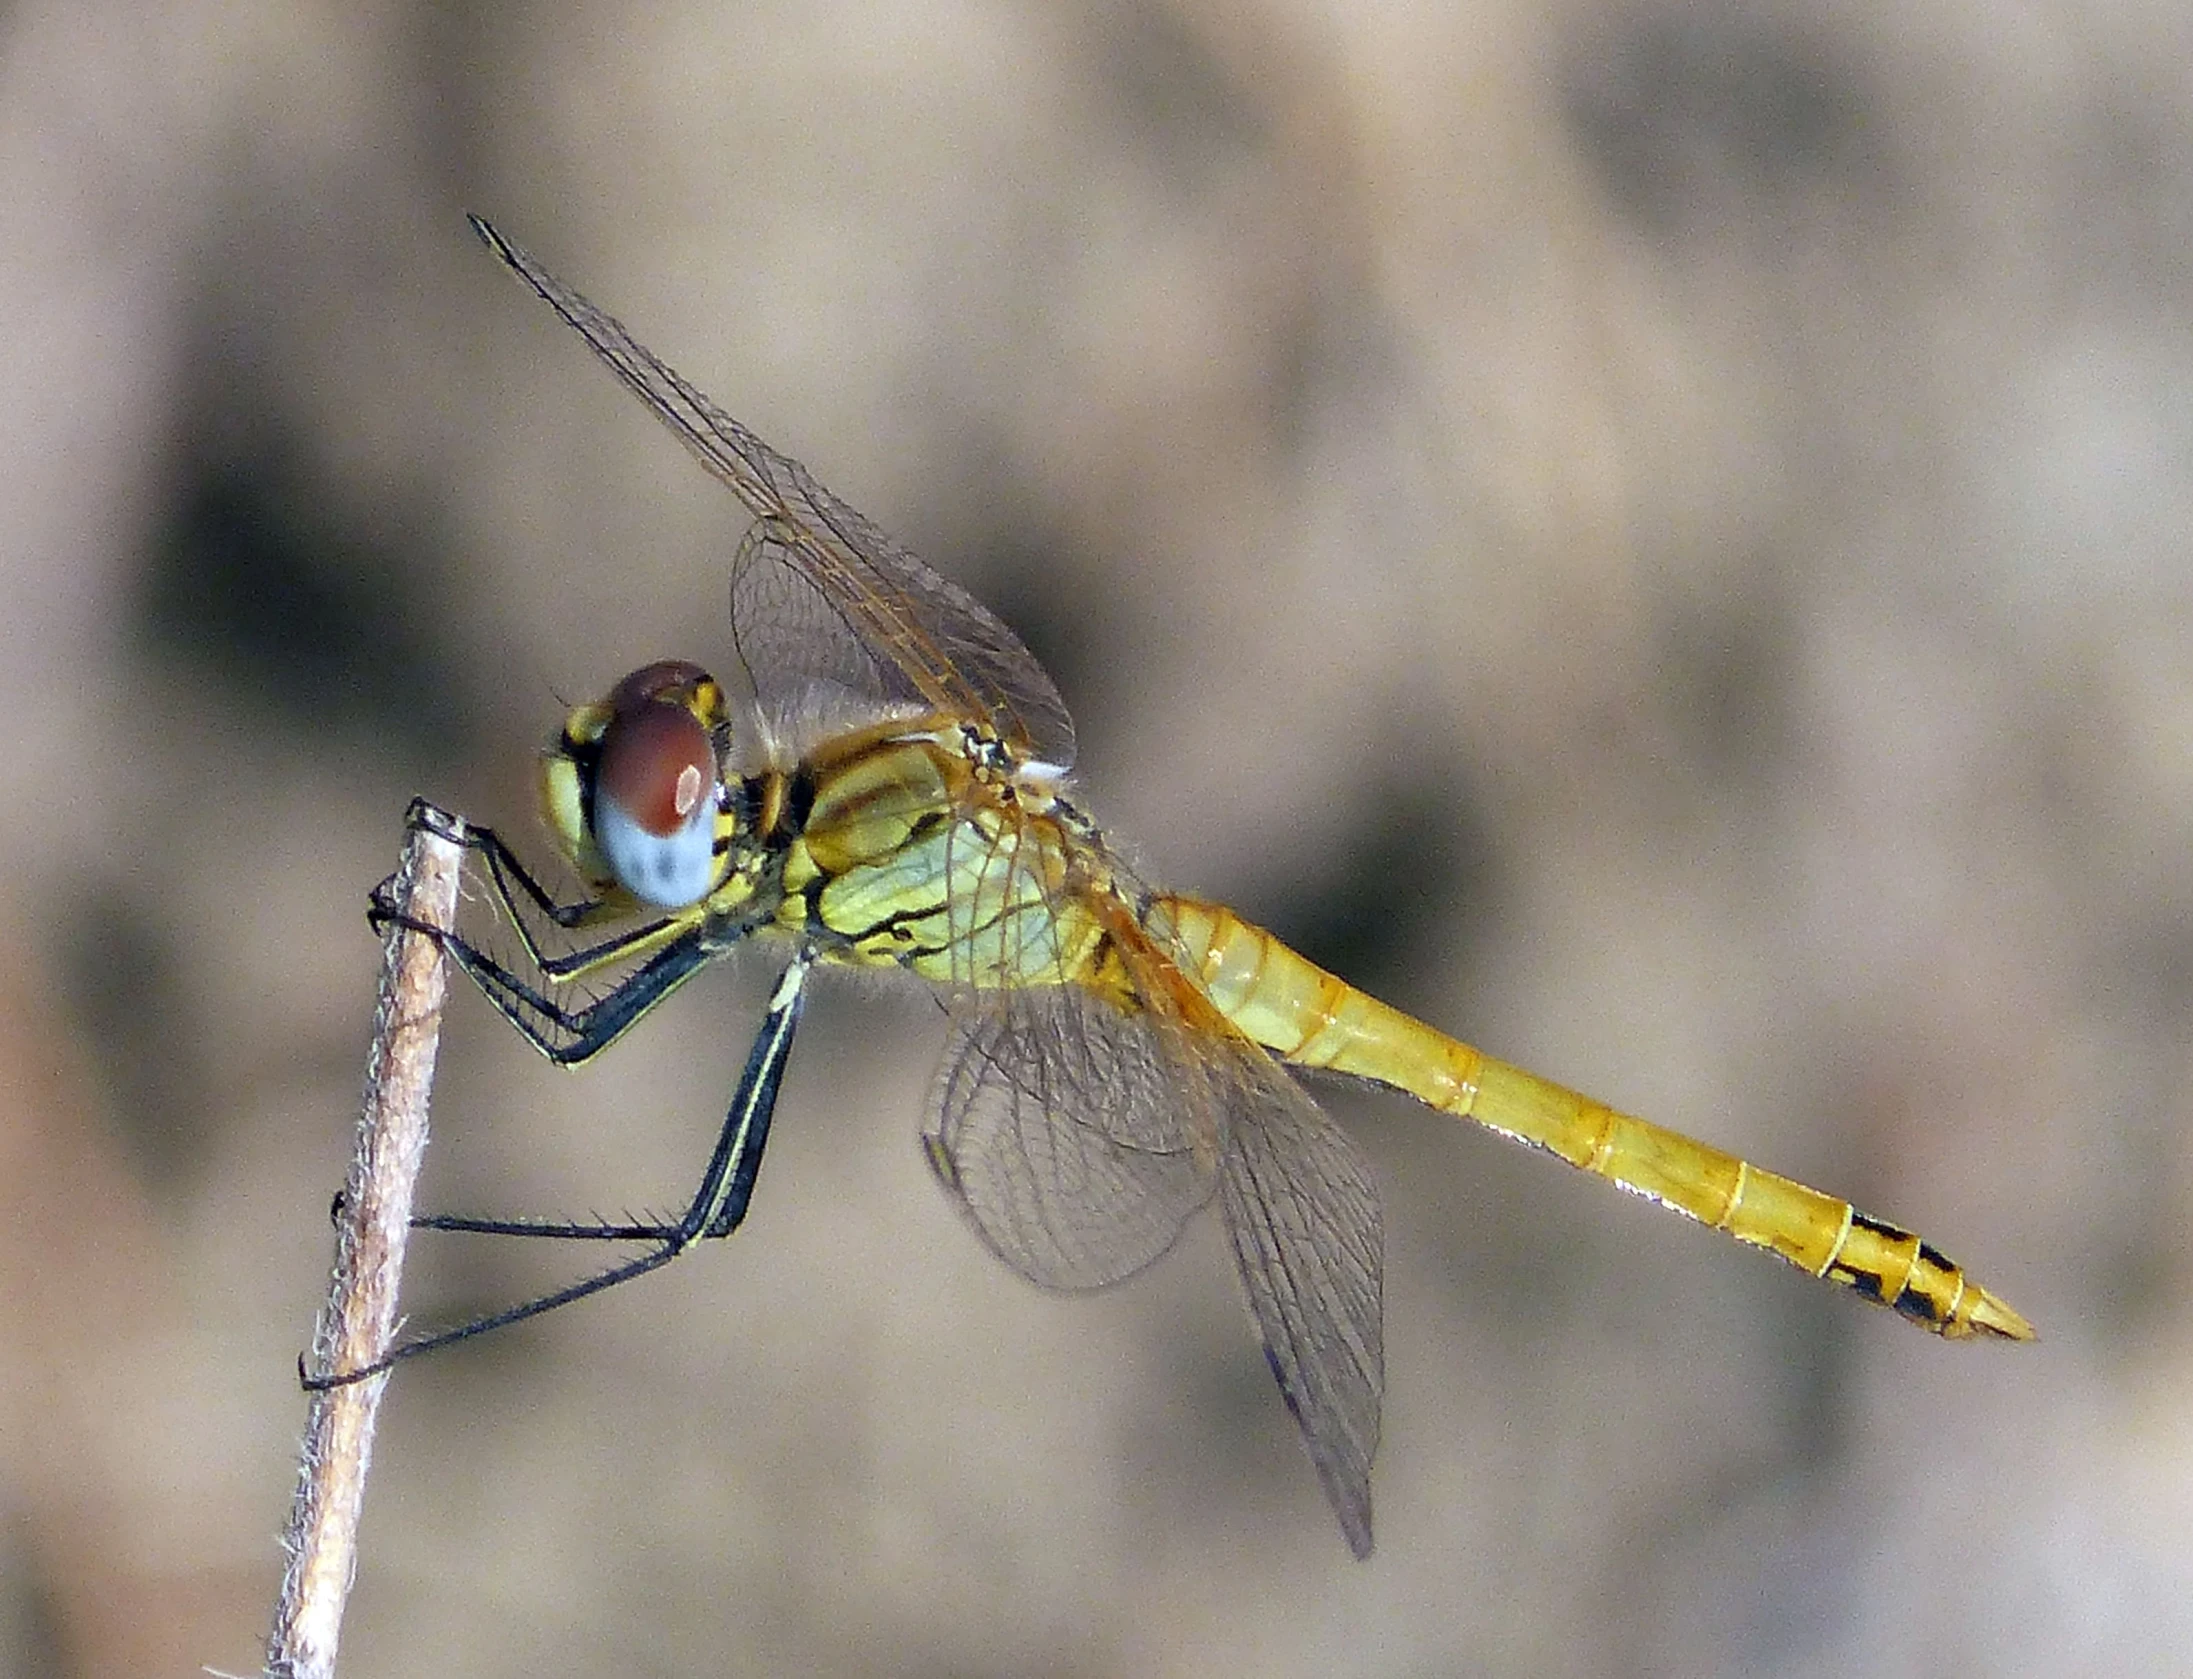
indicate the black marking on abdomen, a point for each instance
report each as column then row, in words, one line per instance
column 1868, row 1283
column 1864, row 1280
column 1921, row 1307
column 1916, row 1303
column 1913, row 1300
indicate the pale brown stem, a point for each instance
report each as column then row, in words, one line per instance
column 357, row 1325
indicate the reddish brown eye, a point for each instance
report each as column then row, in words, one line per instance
column 656, row 766
column 654, row 806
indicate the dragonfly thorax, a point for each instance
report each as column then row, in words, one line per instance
column 633, row 786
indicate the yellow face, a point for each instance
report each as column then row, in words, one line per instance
column 633, row 787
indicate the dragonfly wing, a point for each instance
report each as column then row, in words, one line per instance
column 822, row 569
column 1079, row 1136
column 1060, row 1130
column 836, row 574
column 1309, row 1243
column 812, row 672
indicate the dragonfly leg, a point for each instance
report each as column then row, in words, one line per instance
column 717, row 1208
column 423, row 814
column 729, row 1182
column 515, row 886
column 570, row 1036
column 674, row 949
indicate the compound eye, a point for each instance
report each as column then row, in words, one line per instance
column 655, row 802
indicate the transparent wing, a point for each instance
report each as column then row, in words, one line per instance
column 1080, row 1134
column 1309, row 1244
column 1061, row 1129
column 824, row 591
column 805, row 660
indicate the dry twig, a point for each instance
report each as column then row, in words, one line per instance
column 359, row 1321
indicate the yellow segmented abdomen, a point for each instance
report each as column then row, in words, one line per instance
column 1311, row 1019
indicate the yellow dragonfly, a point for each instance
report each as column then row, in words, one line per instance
column 894, row 793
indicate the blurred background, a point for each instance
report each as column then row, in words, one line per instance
column 1650, row 534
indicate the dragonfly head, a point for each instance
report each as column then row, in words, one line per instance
column 633, row 787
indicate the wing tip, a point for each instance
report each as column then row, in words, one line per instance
column 1356, row 1525
column 488, row 234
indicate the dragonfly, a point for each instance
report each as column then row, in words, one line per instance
column 892, row 791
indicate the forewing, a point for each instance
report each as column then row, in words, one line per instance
column 810, row 668
column 836, row 575
column 1309, row 1243
column 820, row 591
column 1058, row 1130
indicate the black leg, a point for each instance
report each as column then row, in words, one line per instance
column 501, row 860
column 514, row 886
column 669, row 951
column 569, row 1036
column 718, row 1205
column 736, row 1163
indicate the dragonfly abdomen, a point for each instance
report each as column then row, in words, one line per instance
column 1312, row 1019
